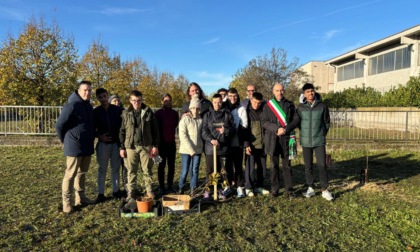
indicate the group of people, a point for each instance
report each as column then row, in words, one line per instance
column 225, row 129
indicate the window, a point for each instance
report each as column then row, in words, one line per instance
column 390, row 61
column 351, row 71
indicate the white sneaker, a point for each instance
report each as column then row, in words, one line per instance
column 249, row 193
column 309, row 193
column 240, row 191
column 327, row 195
column 262, row 191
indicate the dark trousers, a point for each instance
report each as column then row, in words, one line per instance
column 210, row 167
column 255, row 178
column 281, row 152
column 234, row 166
column 124, row 172
column 167, row 152
column 320, row 154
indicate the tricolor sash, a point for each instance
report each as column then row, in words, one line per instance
column 278, row 112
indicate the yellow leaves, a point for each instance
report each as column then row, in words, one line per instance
column 33, row 65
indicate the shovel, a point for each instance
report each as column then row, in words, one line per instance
column 214, row 171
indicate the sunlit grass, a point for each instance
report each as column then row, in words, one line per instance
column 383, row 215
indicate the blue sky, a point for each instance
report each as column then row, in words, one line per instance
column 209, row 41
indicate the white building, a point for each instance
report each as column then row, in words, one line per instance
column 320, row 74
column 382, row 64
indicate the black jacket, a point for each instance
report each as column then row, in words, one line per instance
column 211, row 122
column 75, row 127
column 271, row 125
column 108, row 121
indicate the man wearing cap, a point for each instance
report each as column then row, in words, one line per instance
column 314, row 126
column 279, row 119
column 167, row 119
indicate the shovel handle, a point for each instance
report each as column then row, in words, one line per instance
column 215, row 171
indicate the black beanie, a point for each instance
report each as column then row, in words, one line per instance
column 308, row 86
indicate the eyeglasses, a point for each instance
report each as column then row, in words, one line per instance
column 136, row 101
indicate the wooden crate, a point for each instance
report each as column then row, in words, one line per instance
column 176, row 202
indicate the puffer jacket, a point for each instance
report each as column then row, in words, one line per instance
column 149, row 128
column 241, row 122
column 271, row 125
column 190, row 140
column 314, row 122
column 75, row 127
column 254, row 134
column 211, row 122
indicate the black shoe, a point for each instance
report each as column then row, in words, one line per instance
column 118, row 194
column 162, row 191
column 291, row 195
column 171, row 190
column 101, row 198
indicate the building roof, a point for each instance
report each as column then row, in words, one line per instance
column 405, row 37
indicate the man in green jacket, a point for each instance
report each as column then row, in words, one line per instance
column 314, row 126
column 139, row 138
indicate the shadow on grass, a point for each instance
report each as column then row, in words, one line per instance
column 382, row 169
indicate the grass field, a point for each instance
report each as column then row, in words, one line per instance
column 383, row 215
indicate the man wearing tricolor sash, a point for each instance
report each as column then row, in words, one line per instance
column 279, row 119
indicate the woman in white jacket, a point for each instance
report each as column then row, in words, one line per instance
column 191, row 144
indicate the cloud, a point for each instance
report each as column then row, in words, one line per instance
column 327, row 35
column 121, row 11
column 211, row 41
column 282, row 26
column 13, row 13
column 314, row 18
column 349, row 8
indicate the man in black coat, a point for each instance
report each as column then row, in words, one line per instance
column 218, row 129
column 75, row 128
column 279, row 119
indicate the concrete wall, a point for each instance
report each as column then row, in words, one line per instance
column 322, row 74
column 394, row 119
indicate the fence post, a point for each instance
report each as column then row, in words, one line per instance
column 406, row 125
column 5, row 121
column 345, row 126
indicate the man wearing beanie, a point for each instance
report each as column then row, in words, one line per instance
column 314, row 126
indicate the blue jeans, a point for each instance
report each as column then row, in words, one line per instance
column 108, row 153
column 189, row 162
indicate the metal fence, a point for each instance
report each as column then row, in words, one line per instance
column 28, row 120
column 345, row 124
column 375, row 125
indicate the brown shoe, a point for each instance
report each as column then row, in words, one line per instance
column 84, row 201
column 67, row 208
